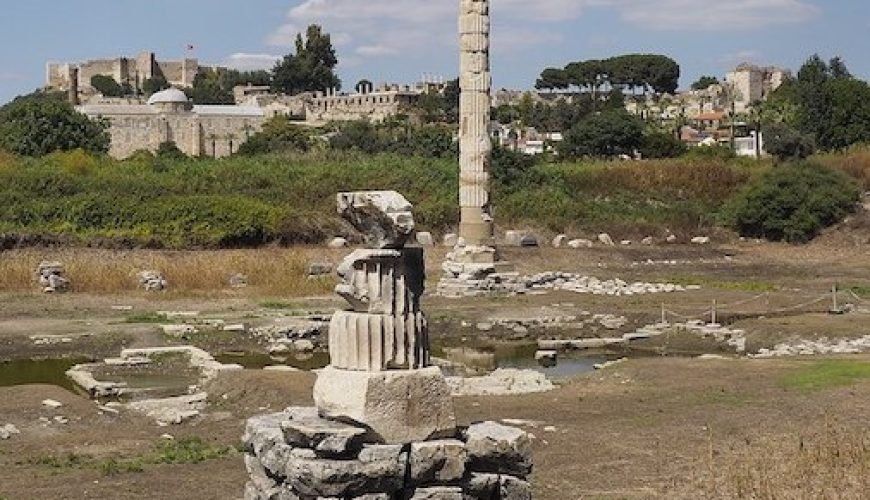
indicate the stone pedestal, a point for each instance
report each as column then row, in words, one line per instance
column 398, row 406
column 296, row 454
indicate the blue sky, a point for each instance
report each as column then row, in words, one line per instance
column 399, row 40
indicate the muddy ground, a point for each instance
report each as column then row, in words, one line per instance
column 662, row 424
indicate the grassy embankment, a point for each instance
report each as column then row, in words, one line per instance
column 76, row 199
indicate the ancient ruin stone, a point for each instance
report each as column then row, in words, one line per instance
column 499, row 449
column 438, row 493
column 399, row 406
column 560, row 241
column 580, row 243
column 51, row 277
column 437, row 461
column 425, row 239
column 238, row 280
column 345, row 478
column 337, row 243
column 513, row 488
column 151, row 281
column 450, row 240
column 605, row 239
column 383, row 217
column 482, row 485
column 305, row 428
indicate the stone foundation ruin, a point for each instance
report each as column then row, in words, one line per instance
column 383, row 425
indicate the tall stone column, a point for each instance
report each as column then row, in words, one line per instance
column 475, row 148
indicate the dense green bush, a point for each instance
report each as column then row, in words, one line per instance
column 279, row 134
column 430, row 141
column 163, row 202
column 42, row 123
column 794, row 202
column 786, row 143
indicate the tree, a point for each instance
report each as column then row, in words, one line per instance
column 832, row 106
column 553, row 79
column 363, row 86
column 311, row 68
column 606, row 135
column 661, row 144
column 42, row 123
column 633, row 72
column 705, row 82
column 786, row 143
column 279, row 134
column 154, row 84
column 794, row 202
column 169, row 150
column 107, row 86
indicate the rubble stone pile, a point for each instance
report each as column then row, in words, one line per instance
column 51, row 277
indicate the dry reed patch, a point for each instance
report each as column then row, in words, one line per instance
column 831, row 462
column 270, row 271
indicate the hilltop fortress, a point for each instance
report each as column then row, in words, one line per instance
column 130, row 70
column 138, row 123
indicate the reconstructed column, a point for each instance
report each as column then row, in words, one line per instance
column 379, row 373
column 475, row 147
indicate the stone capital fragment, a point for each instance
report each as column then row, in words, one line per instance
column 384, row 217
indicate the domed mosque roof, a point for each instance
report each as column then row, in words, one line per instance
column 168, row 96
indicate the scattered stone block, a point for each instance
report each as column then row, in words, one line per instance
column 499, row 449
column 701, row 240
column 560, row 241
column 547, row 359
column 605, row 239
column 179, row 330
column 425, row 239
column 450, row 240
column 580, row 243
column 238, row 280
column 529, row 240
column 513, row 238
column 8, row 430
column 671, row 238
column 318, row 269
column 152, row 281
column 337, row 242
column 51, row 403
column 647, row 241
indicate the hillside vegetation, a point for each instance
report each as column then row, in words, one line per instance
column 157, row 202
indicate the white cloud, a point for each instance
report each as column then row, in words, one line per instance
column 721, row 15
column 391, row 28
column 11, row 77
column 741, row 56
column 250, row 62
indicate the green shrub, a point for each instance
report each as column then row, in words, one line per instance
column 794, row 203
column 786, row 143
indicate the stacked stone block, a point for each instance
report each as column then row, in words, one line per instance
column 296, row 454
